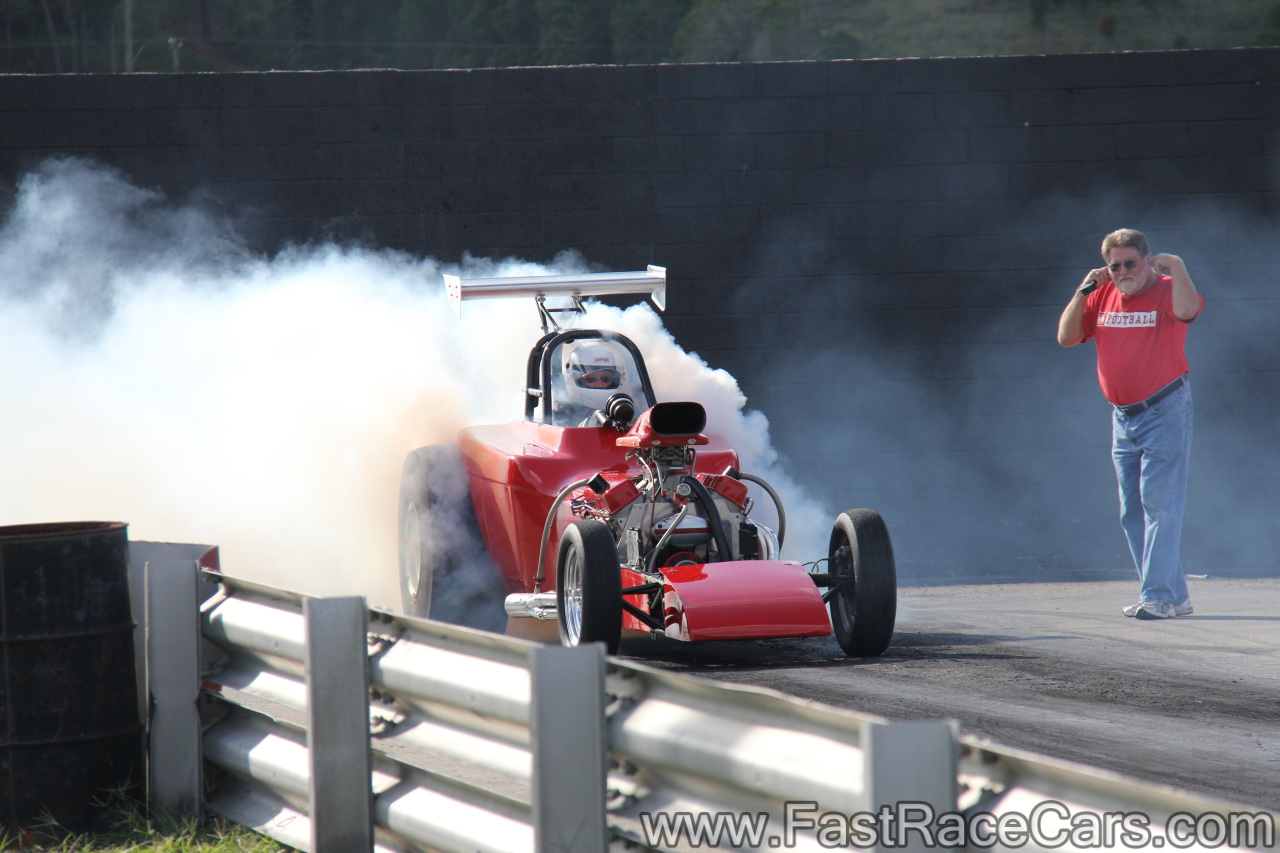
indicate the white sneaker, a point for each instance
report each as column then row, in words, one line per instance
column 1154, row 610
column 1182, row 608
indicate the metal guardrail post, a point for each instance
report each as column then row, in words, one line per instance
column 341, row 795
column 570, row 762
column 911, row 769
column 172, row 619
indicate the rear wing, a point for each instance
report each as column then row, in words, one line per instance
column 652, row 281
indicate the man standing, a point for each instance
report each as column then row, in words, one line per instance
column 1137, row 309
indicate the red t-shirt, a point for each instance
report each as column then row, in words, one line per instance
column 1140, row 340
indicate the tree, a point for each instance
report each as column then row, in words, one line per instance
column 573, row 32
column 747, row 31
column 1270, row 34
column 491, row 33
column 643, row 31
column 422, row 27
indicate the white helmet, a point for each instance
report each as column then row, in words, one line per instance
column 593, row 373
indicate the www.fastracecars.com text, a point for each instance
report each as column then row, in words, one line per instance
column 1049, row 825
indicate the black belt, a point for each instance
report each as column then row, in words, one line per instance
column 1136, row 408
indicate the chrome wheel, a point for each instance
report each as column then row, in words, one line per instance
column 573, row 597
column 416, row 567
column 589, row 586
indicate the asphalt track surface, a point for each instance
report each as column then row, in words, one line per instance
column 1055, row 669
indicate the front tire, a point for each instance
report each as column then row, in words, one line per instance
column 589, row 586
column 864, row 605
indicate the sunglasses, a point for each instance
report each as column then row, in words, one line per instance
column 1128, row 265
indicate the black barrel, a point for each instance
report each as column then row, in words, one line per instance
column 69, row 723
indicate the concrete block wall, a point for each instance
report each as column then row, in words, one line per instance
column 878, row 250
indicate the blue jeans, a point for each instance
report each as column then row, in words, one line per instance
column 1151, row 451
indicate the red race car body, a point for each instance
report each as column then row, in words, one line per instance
column 605, row 510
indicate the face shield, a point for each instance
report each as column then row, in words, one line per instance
column 593, row 372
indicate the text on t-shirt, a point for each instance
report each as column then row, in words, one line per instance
column 1127, row 319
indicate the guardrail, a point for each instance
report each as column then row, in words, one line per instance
column 330, row 726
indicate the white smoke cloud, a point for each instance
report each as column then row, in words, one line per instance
column 157, row 372
column 680, row 375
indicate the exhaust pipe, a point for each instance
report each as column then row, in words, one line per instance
column 531, row 605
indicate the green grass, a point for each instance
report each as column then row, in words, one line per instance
column 134, row 832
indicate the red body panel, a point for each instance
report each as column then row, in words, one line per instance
column 517, row 469
column 748, row 599
column 629, row 622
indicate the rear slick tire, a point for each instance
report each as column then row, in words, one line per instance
column 444, row 571
column 589, row 586
column 865, row 604
column 423, row 562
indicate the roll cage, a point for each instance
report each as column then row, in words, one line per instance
column 543, row 370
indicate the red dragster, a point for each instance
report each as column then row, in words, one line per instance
column 605, row 510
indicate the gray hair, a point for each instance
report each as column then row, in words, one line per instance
column 1125, row 238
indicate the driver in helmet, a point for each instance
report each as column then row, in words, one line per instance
column 592, row 374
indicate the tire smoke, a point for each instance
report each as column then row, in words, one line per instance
column 160, row 373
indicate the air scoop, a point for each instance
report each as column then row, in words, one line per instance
column 668, row 425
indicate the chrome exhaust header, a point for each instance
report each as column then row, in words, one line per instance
column 531, row 605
